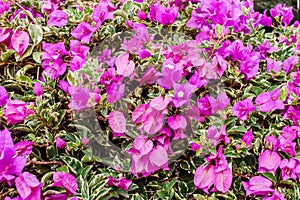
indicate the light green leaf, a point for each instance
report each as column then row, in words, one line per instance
column 36, row 33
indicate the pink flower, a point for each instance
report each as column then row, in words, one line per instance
column 268, row 101
column 247, row 138
column 10, row 164
column 60, row 144
column 66, row 181
column 24, row 148
column 120, row 182
column 101, row 14
column 289, row 63
column 204, row 177
column 242, row 108
column 141, row 15
column 3, row 96
column 77, row 49
column 288, row 168
column 146, row 158
column 53, row 51
column 258, row 185
column 4, row 6
column 276, row 196
column 83, row 32
column 15, row 111
column 183, row 94
column 58, row 18
column 268, row 161
column 117, row 123
column 217, row 172
column 28, row 186
column 38, row 89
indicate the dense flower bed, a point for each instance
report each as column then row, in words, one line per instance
column 214, row 114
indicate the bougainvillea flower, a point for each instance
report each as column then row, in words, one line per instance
column 242, row 108
column 205, row 105
column 117, row 122
column 217, row 136
column 49, row 6
column 60, row 143
column 120, row 182
column 183, row 94
column 28, row 186
column 250, row 65
column 154, row 121
column 150, row 76
column 204, row 177
column 3, row 96
column 24, row 148
column 101, row 14
column 125, row 66
column 273, row 65
column 268, row 161
column 163, row 14
column 38, row 89
column 55, row 69
column 288, row 168
column 4, row 6
column 77, row 49
column 15, row 111
column 292, row 114
column 247, row 138
column 58, row 18
column 276, row 196
column 287, row 146
column 170, row 75
column 20, row 41
column 53, row 51
column 268, row 101
column 65, row 180
column 115, row 92
column 289, row 63
column 160, row 103
column 79, row 98
column 177, row 122
column 217, row 172
column 220, row 64
column 64, row 85
column 76, row 63
column 141, row 15
column 146, row 158
column 10, row 164
column 83, row 32
column 220, row 103
column 106, row 57
column 258, row 185
column 285, row 12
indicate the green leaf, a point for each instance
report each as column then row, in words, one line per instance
column 24, row 79
column 37, row 57
column 219, row 30
column 74, row 164
column 36, row 33
column 6, row 55
column 270, row 176
column 283, row 94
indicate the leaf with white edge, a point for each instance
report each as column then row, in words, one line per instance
column 36, row 33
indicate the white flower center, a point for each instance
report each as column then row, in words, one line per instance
column 180, row 94
column 170, row 66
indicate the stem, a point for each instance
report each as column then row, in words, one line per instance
column 44, row 163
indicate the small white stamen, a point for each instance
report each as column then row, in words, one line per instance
column 180, row 94
column 170, row 66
